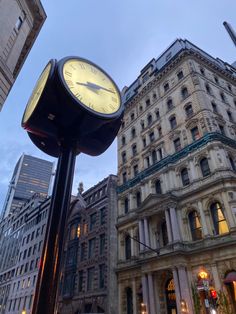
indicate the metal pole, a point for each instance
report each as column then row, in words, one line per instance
column 230, row 31
column 48, row 275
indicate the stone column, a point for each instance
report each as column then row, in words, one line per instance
column 174, row 224
column 146, row 232
column 216, row 278
column 145, row 292
column 205, row 231
column 131, row 201
column 228, row 212
column 141, row 234
column 134, row 296
column 132, row 241
column 168, row 226
column 120, row 298
column 177, row 289
column 184, row 288
column 151, row 294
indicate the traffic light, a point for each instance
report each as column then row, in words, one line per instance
column 214, row 298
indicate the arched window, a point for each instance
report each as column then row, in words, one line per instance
column 222, row 96
column 208, row 89
column 214, row 107
column 185, row 177
column 154, row 156
column 123, row 156
column 170, row 104
column 126, row 205
column 133, row 132
column 129, row 301
column 195, row 225
column 138, row 198
column 149, row 119
column 158, row 187
column 232, row 164
column 184, row 92
column 219, row 221
column 189, row 110
column 134, row 149
column 127, row 247
column 123, row 140
column 205, row 167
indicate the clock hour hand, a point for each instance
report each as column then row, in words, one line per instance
column 95, row 90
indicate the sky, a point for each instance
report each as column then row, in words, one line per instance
column 121, row 36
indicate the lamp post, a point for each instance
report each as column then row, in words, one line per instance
column 75, row 108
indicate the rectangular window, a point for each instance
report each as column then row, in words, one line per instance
column 166, row 87
column 102, row 275
column 92, row 221
column 83, row 252
column 135, row 169
column 180, row 75
column 177, row 144
column 124, row 175
column 81, row 276
column 90, row 279
column 102, row 216
column 102, row 244
column 151, row 137
column 195, row 133
column 92, row 244
column 19, row 23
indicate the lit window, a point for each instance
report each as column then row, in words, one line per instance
column 219, row 221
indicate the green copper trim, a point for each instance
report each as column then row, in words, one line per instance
column 209, row 137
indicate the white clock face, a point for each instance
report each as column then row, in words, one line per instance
column 91, row 86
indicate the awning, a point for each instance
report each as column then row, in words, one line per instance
column 230, row 277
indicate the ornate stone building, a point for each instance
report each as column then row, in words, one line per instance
column 177, row 186
column 88, row 276
column 20, row 24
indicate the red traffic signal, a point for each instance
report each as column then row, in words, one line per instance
column 214, row 294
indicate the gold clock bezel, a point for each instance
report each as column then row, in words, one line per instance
column 79, row 100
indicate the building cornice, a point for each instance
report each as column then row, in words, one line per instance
column 172, row 159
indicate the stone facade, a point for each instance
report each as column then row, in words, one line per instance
column 88, row 277
column 21, row 241
column 20, row 24
column 177, row 186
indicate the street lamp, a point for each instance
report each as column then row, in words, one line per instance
column 74, row 108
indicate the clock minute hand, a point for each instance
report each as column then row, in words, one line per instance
column 95, row 86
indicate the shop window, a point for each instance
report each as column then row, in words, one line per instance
column 204, row 167
column 127, row 247
column 195, row 225
column 219, row 221
column 185, row 177
column 158, row 187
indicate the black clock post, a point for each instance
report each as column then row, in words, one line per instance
column 63, row 123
